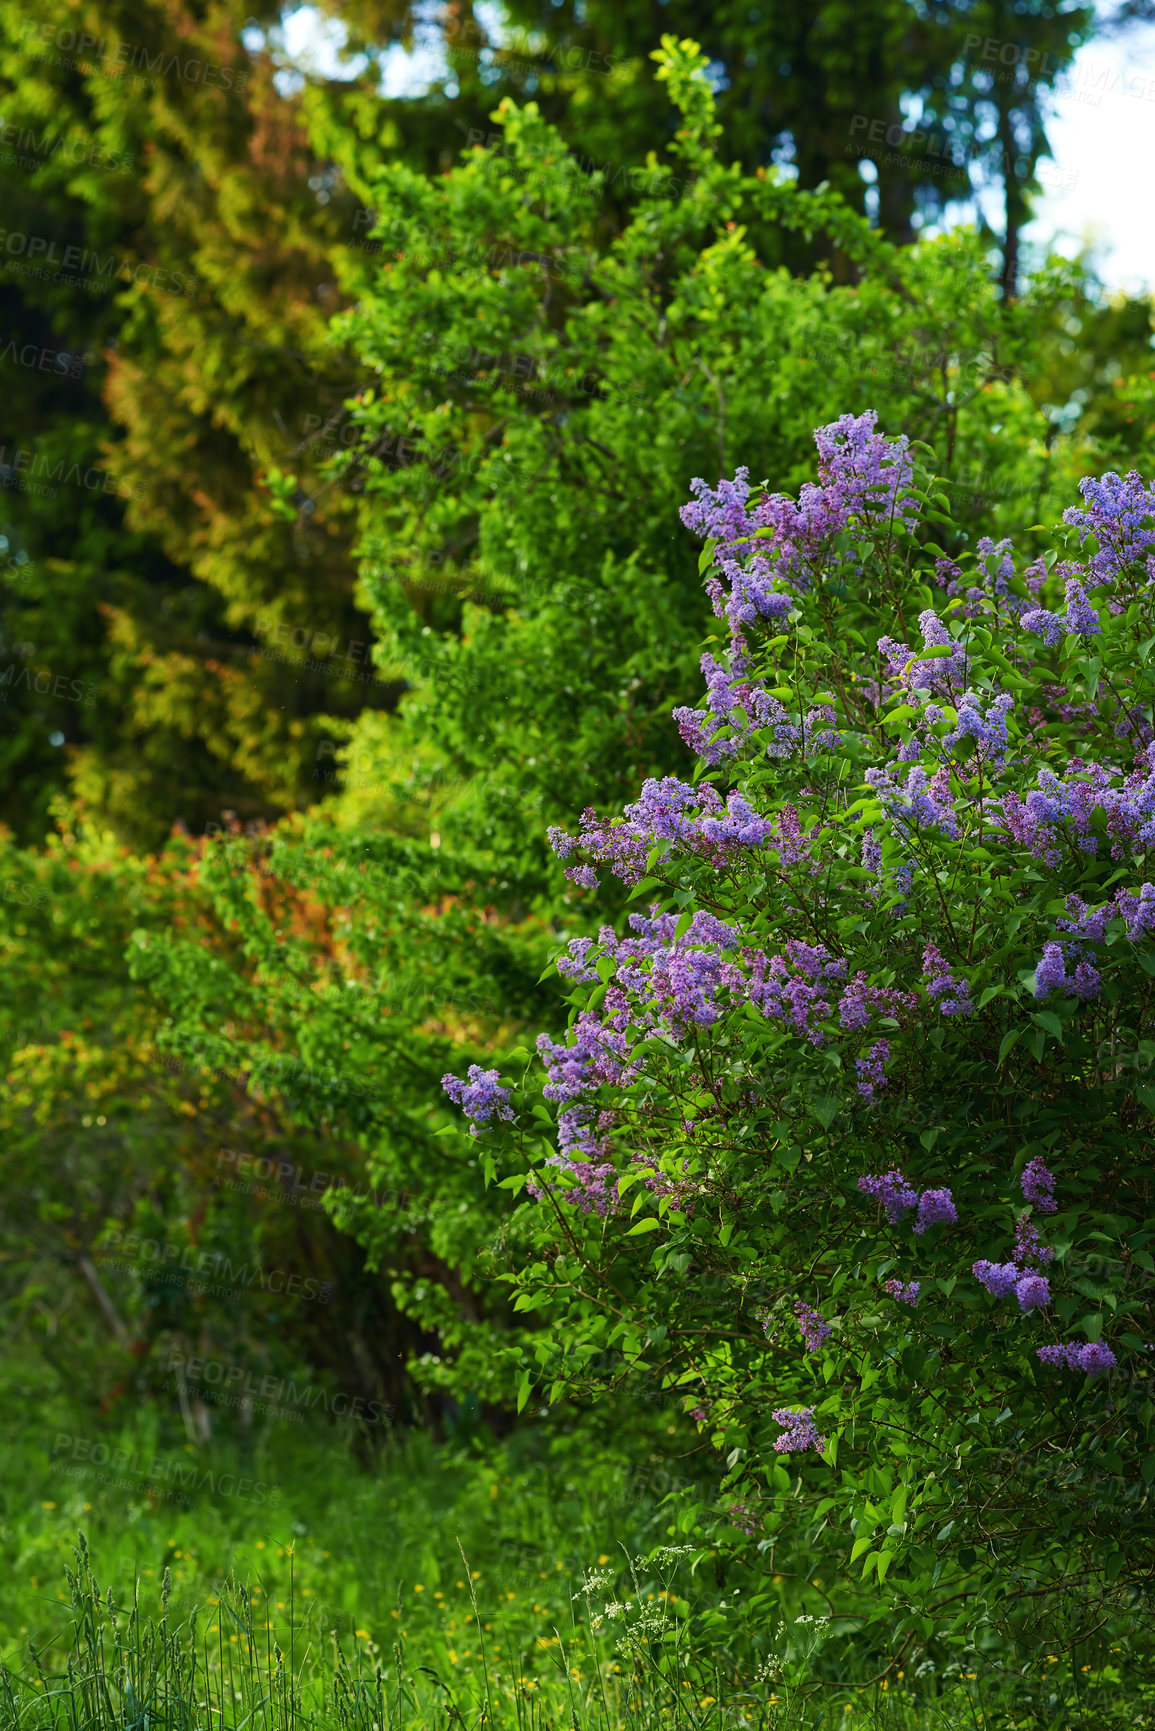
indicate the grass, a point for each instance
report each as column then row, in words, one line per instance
column 496, row 1586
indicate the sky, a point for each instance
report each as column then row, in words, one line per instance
column 1102, row 177
column 1099, row 186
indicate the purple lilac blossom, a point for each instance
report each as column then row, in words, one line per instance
column 1118, row 513
column 1029, row 1247
column 935, row 1208
column 1082, row 619
column 1051, row 975
column 1071, row 805
column 903, row 1294
column 999, row 1278
column 861, row 474
column 919, row 804
column 1095, row 1359
column 954, row 994
column 1033, row 1291
column 798, row 1432
column 871, row 1069
column 945, row 674
column 1135, row 908
column 859, row 1002
column 1045, row 624
column 481, row 1096
column 989, row 733
column 814, row 1330
column 1039, row 1186
column 894, row 1193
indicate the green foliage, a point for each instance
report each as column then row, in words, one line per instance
column 545, row 610
column 531, row 1584
column 920, row 842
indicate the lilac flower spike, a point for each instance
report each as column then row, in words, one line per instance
column 999, row 1278
column 1082, row 619
column 1033, row 1291
column 1095, row 1359
column 814, row 1329
column 893, row 1191
column 1119, row 514
column 903, row 1294
column 1051, row 975
column 1039, row 1186
column 481, row 1096
column 954, row 994
column 798, row 1431
column 935, row 1208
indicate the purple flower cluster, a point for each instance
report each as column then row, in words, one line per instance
column 1039, row 1186
column 594, row 1187
column 1029, row 1247
column 945, row 674
column 859, row 1002
column 1095, row 1358
column 935, row 1208
column 894, row 1193
column 798, row 1432
column 741, row 707
column 989, row 732
column 871, row 1069
column 917, row 804
column 1033, row 1291
column 481, row 1095
column 810, row 1321
column 904, row 1294
column 1119, row 513
column 999, row 1278
column 897, row 1196
column 1080, row 619
column 1068, row 806
column 954, row 994
column 693, row 818
column 1051, row 975
column 1135, row 908
column 773, row 550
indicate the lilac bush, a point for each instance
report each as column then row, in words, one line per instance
column 885, row 1028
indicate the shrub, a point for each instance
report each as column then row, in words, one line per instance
column 852, row 1144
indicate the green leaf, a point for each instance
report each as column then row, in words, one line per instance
column 649, row 1224
column 825, row 1110
column 1009, row 1039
